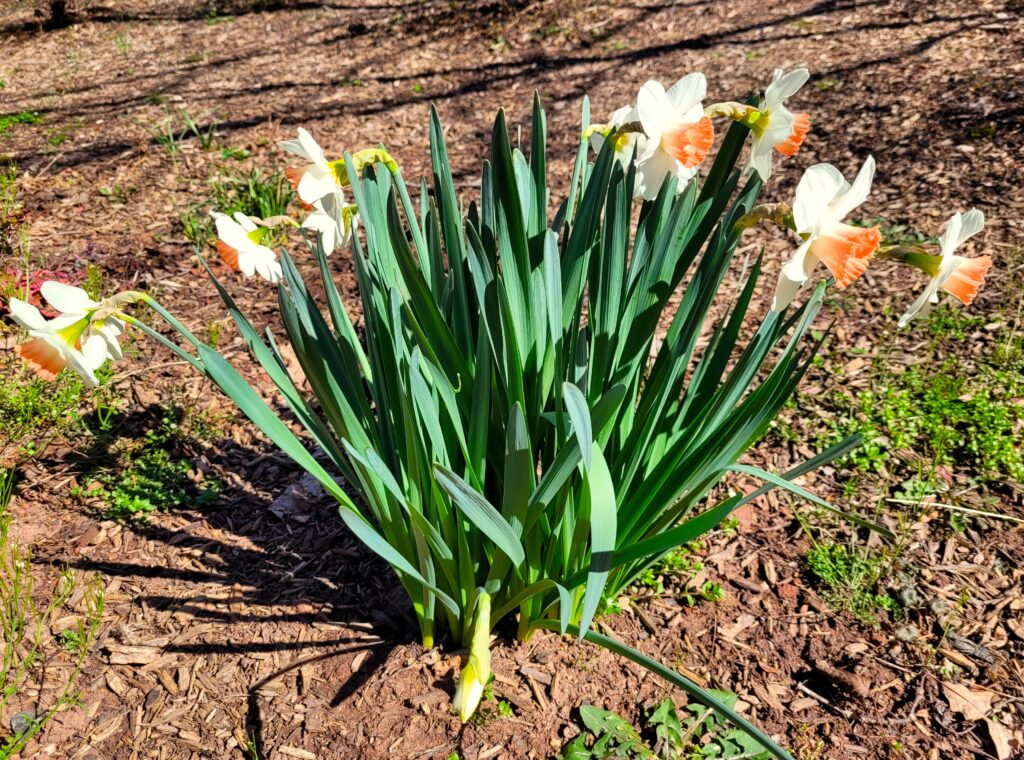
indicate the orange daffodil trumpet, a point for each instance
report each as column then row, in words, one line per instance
column 83, row 336
column 957, row 275
column 823, row 200
column 777, row 128
column 678, row 133
column 239, row 245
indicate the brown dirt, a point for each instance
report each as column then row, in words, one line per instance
column 229, row 621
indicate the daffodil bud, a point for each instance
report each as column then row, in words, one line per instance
column 477, row 672
column 362, row 159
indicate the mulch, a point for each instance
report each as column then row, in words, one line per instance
column 232, row 624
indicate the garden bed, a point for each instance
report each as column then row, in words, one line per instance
column 230, row 625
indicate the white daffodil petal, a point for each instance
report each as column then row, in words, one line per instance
column 688, row 92
column 315, row 184
column 972, row 223
column 815, row 191
column 26, row 315
column 654, row 109
column 67, row 298
column 651, row 172
column 785, row 85
column 230, row 231
column 94, row 350
column 920, row 304
column 110, row 330
column 244, row 222
column 857, row 193
column 760, row 159
column 313, row 150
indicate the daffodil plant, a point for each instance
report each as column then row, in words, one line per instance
column 540, row 399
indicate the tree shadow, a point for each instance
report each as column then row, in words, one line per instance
column 588, row 67
column 261, row 568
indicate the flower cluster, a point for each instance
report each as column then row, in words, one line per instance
column 667, row 134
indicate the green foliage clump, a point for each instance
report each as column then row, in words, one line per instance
column 33, row 411
column 254, row 193
column 951, row 418
column 698, row 734
column 851, row 580
column 24, row 117
column 152, row 474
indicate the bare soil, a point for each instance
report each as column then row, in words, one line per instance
column 230, row 624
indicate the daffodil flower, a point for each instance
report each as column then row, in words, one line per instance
column 239, row 245
column 823, row 199
column 957, row 275
column 316, row 179
column 679, row 135
column 75, row 305
column 56, row 344
column 333, row 220
column 778, row 128
column 625, row 142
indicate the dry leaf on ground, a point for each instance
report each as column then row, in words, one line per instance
column 974, row 704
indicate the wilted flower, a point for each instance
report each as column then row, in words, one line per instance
column 778, row 128
column 962, row 277
column 823, row 199
column 679, row 135
column 240, row 247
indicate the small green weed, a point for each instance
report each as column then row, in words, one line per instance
column 118, row 193
column 58, row 135
column 152, row 475
column 698, row 734
column 237, row 154
column 212, row 19
column 681, row 566
column 23, row 648
column 70, row 639
column 851, row 579
column 986, row 131
column 24, row 117
column 254, row 193
column 827, row 83
column 92, row 283
column 33, row 412
column 203, row 135
column 938, row 411
column 122, row 43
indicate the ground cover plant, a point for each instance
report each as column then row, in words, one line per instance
column 516, row 446
column 27, row 650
